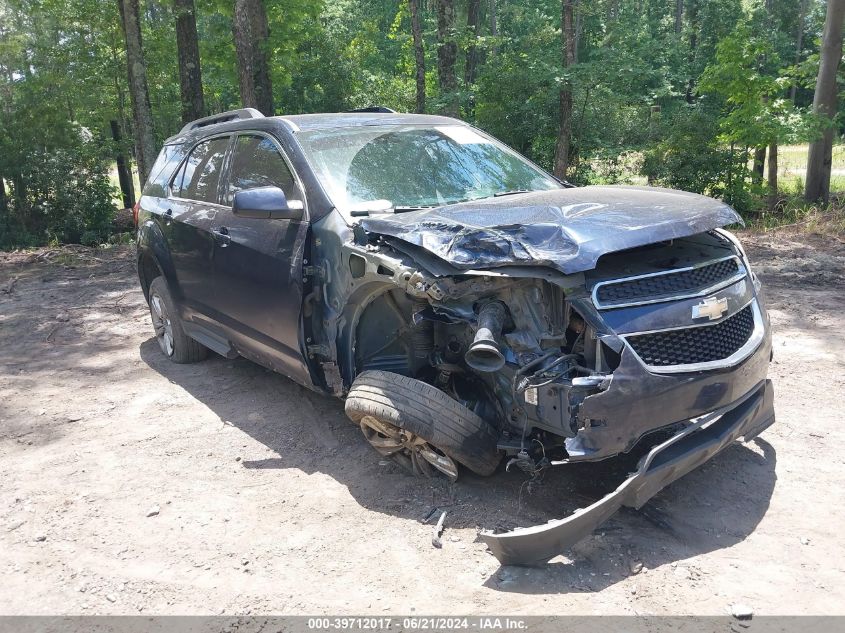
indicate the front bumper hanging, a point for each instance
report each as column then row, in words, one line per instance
column 686, row 450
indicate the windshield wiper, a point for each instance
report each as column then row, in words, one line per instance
column 406, row 209
column 399, row 209
column 510, row 193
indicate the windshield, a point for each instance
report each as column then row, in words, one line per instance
column 386, row 168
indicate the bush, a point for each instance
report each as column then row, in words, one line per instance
column 688, row 156
column 65, row 196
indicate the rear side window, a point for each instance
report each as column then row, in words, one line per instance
column 199, row 177
column 169, row 157
column 257, row 162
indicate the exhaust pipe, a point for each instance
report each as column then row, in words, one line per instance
column 485, row 354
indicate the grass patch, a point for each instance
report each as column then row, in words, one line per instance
column 797, row 215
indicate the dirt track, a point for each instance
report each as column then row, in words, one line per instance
column 269, row 500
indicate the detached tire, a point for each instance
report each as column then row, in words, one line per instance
column 426, row 412
column 174, row 343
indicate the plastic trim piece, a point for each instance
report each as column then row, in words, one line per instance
column 223, row 117
column 686, row 450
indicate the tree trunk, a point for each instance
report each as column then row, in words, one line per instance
column 4, row 201
column 124, row 176
column 142, row 115
column 773, row 176
column 692, row 20
column 759, row 165
column 679, row 16
column 799, row 44
column 474, row 28
column 447, row 53
column 564, row 138
column 419, row 53
column 494, row 25
column 251, row 33
column 19, row 195
column 817, row 186
column 190, row 72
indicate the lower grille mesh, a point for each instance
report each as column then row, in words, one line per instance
column 696, row 344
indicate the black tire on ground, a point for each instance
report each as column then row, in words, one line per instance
column 180, row 348
column 427, row 412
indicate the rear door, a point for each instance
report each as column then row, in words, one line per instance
column 192, row 205
column 258, row 262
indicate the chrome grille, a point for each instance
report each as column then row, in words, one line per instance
column 694, row 345
column 668, row 285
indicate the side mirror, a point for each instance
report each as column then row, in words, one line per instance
column 267, row 203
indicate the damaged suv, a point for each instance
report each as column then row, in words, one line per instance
column 469, row 307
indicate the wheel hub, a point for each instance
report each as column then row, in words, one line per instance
column 410, row 450
column 162, row 324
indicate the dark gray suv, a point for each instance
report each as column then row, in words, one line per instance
column 469, row 307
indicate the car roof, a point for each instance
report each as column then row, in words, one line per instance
column 307, row 122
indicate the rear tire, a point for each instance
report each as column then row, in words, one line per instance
column 425, row 412
column 171, row 337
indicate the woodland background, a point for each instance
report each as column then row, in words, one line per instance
column 737, row 99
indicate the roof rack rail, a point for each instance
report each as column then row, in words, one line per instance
column 223, row 117
column 381, row 109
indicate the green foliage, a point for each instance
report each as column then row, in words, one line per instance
column 651, row 102
column 744, row 74
column 67, row 197
column 689, row 155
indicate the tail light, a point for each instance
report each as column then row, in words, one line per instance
column 135, row 210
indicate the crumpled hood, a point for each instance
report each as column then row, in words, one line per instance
column 566, row 229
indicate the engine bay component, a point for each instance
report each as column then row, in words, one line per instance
column 485, row 353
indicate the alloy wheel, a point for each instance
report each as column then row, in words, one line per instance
column 162, row 324
column 407, row 449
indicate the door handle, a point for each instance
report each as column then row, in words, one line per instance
column 221, row 236
column 168, row 217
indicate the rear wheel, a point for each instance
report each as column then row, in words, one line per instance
column 420, row 427
column 171, row 337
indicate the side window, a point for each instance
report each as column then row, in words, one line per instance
column 200, row 174
column 169, row 157
column 257, row 163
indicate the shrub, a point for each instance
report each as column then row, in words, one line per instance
column 65, row 196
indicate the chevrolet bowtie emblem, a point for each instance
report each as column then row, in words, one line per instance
column 712, row 308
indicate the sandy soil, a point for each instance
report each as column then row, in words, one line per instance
column 132, row 485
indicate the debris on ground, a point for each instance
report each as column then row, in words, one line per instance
column 438, row 531
column 742, row 611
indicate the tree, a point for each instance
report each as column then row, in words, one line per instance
column 124, row 174
column 756, row 114
column 679, row 16
column 817, row 185
column 145, row 146
column 190, row 71
column 799, row 43
column 447, row 54
column 564, row 138
column 251, row 33
column 419, row 54
column 474, row 28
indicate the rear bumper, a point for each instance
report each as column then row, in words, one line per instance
column 686, row 450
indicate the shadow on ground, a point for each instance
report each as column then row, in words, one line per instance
column 714, row 507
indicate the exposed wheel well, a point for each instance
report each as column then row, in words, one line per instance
column 147, row 271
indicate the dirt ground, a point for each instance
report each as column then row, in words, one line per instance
column 133, row 485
